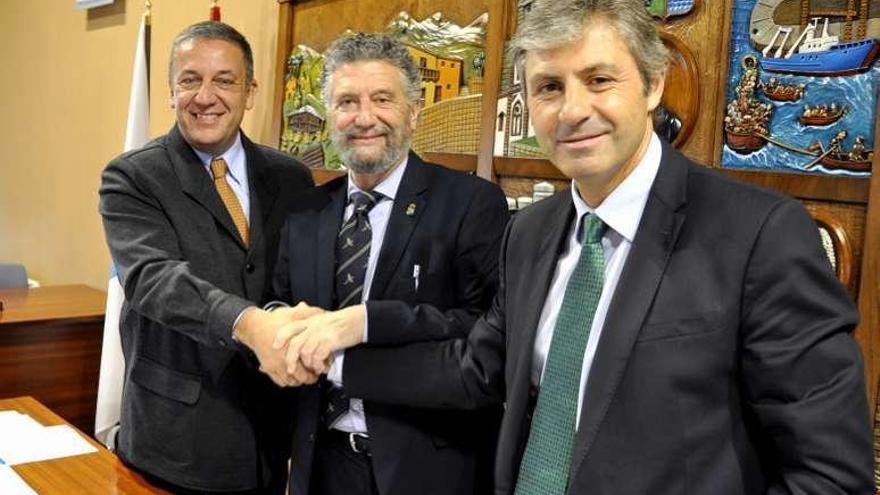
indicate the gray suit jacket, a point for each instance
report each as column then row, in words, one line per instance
column 725, row 366
column 194, row 409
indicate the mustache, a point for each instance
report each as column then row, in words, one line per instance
column 377, row 130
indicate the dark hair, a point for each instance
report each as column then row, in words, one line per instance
column 213, row 30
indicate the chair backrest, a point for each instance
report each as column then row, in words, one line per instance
column 12, row 276
column 837, row 244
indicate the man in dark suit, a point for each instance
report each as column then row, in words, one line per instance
column 396, row 245
column 192, row 222
column 658, row 329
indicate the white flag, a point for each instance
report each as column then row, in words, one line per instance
column 112, row 372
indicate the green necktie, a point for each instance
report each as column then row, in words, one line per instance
column 547, row 459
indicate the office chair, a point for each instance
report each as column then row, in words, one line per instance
column 13, row 276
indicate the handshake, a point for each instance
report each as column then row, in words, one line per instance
column 295, row 345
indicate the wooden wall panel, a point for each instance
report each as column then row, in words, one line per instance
column 868, row 331
column 703, row 31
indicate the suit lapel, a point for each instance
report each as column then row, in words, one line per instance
column 263, row 191
column 551, row 240
column 634, row 295
column 543, row 238
column 329, row 221
column 409, row 204
column 196, row 182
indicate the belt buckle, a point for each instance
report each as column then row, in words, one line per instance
column 351, row 441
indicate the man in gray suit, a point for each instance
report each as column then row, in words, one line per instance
column 192, row 222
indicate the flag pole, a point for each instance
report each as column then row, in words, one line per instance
column 112, row 367
column 148, row 22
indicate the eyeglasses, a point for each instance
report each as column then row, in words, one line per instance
column 221, row 84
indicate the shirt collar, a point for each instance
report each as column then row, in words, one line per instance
column 234, row 157
column 622, row 210
column 389, row 185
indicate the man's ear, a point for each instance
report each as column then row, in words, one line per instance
column 252, row 93
column 414, row 115
column 655, row 91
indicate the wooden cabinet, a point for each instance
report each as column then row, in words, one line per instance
column 50, row 348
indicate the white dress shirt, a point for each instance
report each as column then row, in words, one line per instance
column 236, row 175
column 354, row 420
column 621, row 211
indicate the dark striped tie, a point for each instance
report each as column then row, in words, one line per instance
column 547, row 459
column 352, row 257
column 353, row 250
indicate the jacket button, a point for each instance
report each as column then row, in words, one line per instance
column 222, row 342
column 249, row 268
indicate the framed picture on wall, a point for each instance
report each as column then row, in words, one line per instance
column 802, row 86
column 449, row 50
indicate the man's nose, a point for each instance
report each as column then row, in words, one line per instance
column 205, row 94
column 577, row 105
column 365, row 116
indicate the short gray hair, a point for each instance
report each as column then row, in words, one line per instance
column 554, row 23
column 364, row 47
column 213, row 30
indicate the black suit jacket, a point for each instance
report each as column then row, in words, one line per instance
column 450, row 224
column 193, row 410
column 725, row 364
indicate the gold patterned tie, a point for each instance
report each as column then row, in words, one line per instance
column 218, row 170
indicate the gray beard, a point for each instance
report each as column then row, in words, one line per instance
column 367, row 166
column 390, row 156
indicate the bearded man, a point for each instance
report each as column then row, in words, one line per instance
column 397, row 246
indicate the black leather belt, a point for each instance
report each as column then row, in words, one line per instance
column 359, row 443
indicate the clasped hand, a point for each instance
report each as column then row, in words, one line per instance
column 295, row 345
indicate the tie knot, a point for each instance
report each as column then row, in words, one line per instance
column 218, row 168
column 593, row 229
column 365, row 201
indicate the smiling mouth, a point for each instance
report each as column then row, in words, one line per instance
column 206, row 117
column 581, row 141
column 366, row 138
column 580, row 138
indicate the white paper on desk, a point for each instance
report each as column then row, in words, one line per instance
column 16, row 423
column 12, row 484
column 39, row 444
